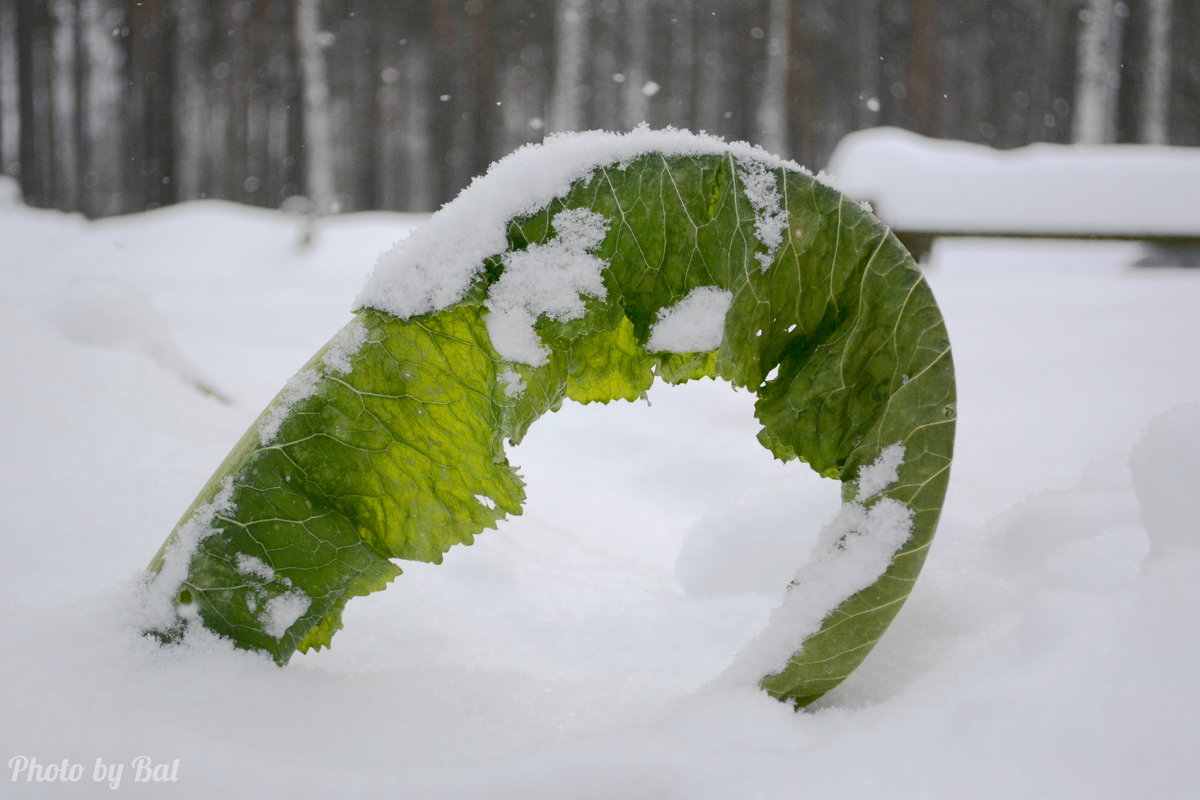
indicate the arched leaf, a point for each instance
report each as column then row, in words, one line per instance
column 390, row 443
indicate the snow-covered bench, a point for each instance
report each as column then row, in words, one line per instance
column 926, row 189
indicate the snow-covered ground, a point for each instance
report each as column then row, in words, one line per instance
column 1048, row 651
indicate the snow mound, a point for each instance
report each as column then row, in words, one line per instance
column 105, row 312
column 1166, row 472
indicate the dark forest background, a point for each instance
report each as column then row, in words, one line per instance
column 115, row 106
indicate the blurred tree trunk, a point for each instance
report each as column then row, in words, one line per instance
column 255, row 102
column 103, row 25
column 1098, row 77
column 1156, row 90
column 1051, row 37
column 149, row 110
column 708, row 112
column 923, row 69
column 477, row 96
column 318, row 144
column 570, row 33
column 10, row 115
column 603, row 73
column 353, row 70
column 109, row 106
column 638, row 34
column 281, row 104
column 524, row 80
column 417, row 145
column 682, row 87
column 64, row 132
column 34, row 57
column 191, row 117
column 453, row 118
column 864, row 43
column 388, row 159
column 773, row 103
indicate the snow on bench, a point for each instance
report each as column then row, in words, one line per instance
column 926, row 189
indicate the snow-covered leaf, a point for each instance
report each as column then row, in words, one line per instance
column 390, row 444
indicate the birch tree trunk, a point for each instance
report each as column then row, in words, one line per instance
column 773, row 103
column 318, row 142
column 1097, row 75
column 637, row 27
column 570, row 28
column 708, row 109
column 1157, row 82
column 105, row 61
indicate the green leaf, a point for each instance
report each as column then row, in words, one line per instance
column 397, row 450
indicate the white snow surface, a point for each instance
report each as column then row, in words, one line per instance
column 921, row 183
column 434, row 267
column 696, row 324
column 1046, row 651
